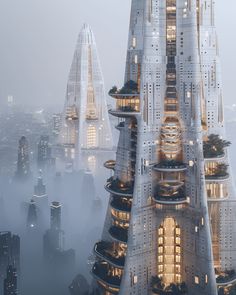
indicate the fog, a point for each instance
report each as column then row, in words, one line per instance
column 37, row 44
column 38, row 40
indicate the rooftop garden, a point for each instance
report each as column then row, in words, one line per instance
column 214, row 146
column 130, row 87
column 158, row 287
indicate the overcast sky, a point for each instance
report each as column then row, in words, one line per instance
column 38, row 39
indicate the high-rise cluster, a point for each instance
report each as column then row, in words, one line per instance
column 170, row 222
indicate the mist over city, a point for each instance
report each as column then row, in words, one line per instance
column 117, row 139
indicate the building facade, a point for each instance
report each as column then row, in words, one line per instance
column 157, row 234
column 10, row 282
column 85, row 129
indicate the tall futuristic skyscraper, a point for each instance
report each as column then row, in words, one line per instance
column 85, row 125
column 157, row 233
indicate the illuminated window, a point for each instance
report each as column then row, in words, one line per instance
column 91, row 137
column 169, row 252
column 196, row 280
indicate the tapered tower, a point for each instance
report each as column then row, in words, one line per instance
column 157, row 234
column 219, row 182
column 85, row 124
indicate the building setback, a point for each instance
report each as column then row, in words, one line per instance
column 157, row 233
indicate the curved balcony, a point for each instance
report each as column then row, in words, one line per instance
column 118, row 95
column 105, row 279
column 170, row 166
column 120, row 205
column 106, row 251
column 216, row 178
column 119, row 234
column 171, row 200
column 116, row 187
column 110, row 164
column 226, row 280
column 124, row 112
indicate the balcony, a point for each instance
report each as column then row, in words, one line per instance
column 125, row 112
column 226, row 279
column 170, row 193
column 107, row 252
column 170, row 166
column 110, row 164
column 216, row 178
column 119, row 234
column 171, row 200
column 217, row 174
column 116, row 187
column 102, row 274
column 122, row 205
column 72, row 113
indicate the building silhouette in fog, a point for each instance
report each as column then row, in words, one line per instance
column 10, row 282
column 32, row 215
column 53, row 241
column 79, row 286
column 56, row 216
column 44, row 153
column 23, row 171
column 9, row 252
column 40, row 194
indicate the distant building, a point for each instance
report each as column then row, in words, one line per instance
column 85, row 129
column 40, row 194
column 56, row 124
column 53, row 242
column 9, row 251
column 79, row 286
column 56, row 216
column 23, row 162
column 44, row 153
column 10, row 282
column 32, row 216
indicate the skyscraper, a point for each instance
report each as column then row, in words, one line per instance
column 56, row 215
column 9, row 252
column 85, row 124
column 40, row 194
column 53, row 242
column 157, row 233
column 10, row 282
column 32, row 215
column 44, row 152
column 23, row 162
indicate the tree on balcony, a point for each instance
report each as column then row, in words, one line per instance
column 221, row 170
column 214, row 146
column 130, row 87
column 159, row 288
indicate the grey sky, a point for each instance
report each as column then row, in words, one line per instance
column 38, row 39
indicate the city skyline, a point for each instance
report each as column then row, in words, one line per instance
column 41, row 57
